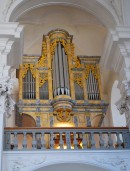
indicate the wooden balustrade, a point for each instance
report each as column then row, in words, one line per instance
column 67, row 138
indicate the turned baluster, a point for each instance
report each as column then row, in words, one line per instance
column 110, row 141
column 43, row 143
column 24, row 141
column 34, row 141
column 84, row 141
column 15, row 141
column 119, row 142
column 92, row 141
column 61, row 142
column 75, row 142
column 68, row 142
column 101, row 141
column 7, row 141
column 51, row 141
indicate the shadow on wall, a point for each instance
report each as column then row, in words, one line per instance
column 118, row 119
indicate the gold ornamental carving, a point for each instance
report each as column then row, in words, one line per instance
column 78, row 79
column 43, row 77
column 54, row 44
column 69, row 47
column 63, row 115
column 26, row 67
column 42, row 62
column 76, row 63
column 93, row 69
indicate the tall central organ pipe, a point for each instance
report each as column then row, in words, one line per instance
column 60, row 72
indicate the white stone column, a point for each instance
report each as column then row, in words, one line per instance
column 11, row 44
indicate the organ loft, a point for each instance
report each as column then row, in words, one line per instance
column 58, row 88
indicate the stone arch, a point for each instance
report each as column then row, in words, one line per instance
column 103, row 11
column 74, row 165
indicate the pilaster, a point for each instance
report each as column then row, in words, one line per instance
column 11, row 43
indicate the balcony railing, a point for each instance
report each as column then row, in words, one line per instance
column 66, row 138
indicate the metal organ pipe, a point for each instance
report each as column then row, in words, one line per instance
column 66, row 75
column 60, row 72
column 61, row 68
column 29, row 86
column 54, row 77
column 92, row 87
column 57, row 72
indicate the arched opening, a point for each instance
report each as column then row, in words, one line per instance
column 28, row 121
column 118, row 120
column 71, row 166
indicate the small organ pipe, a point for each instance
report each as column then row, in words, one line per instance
column 90, row 85
column 65, row 68
column 57, row 69
column 25, row 87
column 67, row 73
column 30, row 85
column 61, row 67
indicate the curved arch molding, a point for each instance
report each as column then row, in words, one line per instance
column 102, row 10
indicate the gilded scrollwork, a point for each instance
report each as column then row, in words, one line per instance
column 43, row 77
column 93, row 69
column 42, row 62
column 26, row 67
column 76, row 63
column 78, row 79
column 54, row 43
column 69, row 47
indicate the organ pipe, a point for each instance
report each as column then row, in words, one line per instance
column 29, row 86
column 92, row 87
column 60, row 72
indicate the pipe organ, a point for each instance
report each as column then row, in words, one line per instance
column 59, row 88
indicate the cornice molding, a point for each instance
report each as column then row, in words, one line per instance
column 11, row 38
column 11, row 29
column 115, row 39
